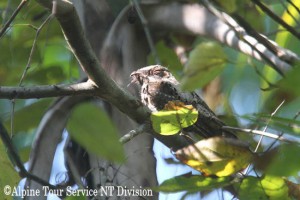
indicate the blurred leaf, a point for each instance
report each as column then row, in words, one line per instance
column 229, row 6
column 167, row 57
column 283, row 37
column 28, row 117
column 93, row 129
column 193, row 184
column 23, row 142
column 291, row 80
column 265, row 188
column 286, row 162
column 206, row 61
column 173, row 118
column 216, row 156
column 8, row 174
column 49, row 75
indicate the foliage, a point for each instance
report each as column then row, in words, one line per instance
column 93, row 129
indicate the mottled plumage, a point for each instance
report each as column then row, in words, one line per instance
column 159, row 86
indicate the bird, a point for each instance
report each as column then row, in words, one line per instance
column 158, row 87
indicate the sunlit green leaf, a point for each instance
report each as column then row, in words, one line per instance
column 206, row 61
column 170, row 122
column 265, row 188
column 193, row 184
column 92, row 128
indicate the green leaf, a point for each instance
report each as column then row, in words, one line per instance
column 286, row 162
column 92, row 128
column 229, row 5
column 170, row 122
column 291, row 79
column 206, row 62
column 23, row 142
column 7, row 173
column 167, row 57
column 28, row 118
column 268, row 187
column 193, row 184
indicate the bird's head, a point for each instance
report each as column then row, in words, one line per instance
column 152, row 73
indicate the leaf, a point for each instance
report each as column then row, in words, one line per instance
column 193, row 184
column 93, row 129
column 167, row 58
column 229, row 6
column 216, row 156
column 291, row 80
column 28, row 117
column 290, row 16
column 268, row 187
column 173, row 118
column 285, row 162
column 206, row 62
column 23, row 142
column 7, row 173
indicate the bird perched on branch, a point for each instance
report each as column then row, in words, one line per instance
column 159, row 86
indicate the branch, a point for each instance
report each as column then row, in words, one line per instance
column 86, row 88
column 197, row 20
column 127, row 137
column 258, row 132
column 109, row 90
column 276, row 18
column 11, row 19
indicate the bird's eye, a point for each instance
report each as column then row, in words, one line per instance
column 161, row 73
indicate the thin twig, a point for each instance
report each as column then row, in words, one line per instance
column 13, row 16
column 289, row 12
column 33, row 48
column 276, row 18
column 258, row 132
column 268, row 122
column 240, row 32
column 147, row 31
column 127, row 137
column 292, row 3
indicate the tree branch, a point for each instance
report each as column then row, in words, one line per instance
column 197, row 20
column 109, row 90
column 11, row 19
column 86, row 88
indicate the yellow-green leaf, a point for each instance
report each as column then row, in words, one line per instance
column 206, row 61
column 171, row 120
column 268, row 187
column 216, row 156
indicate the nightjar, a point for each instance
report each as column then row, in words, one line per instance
column 159, row 86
